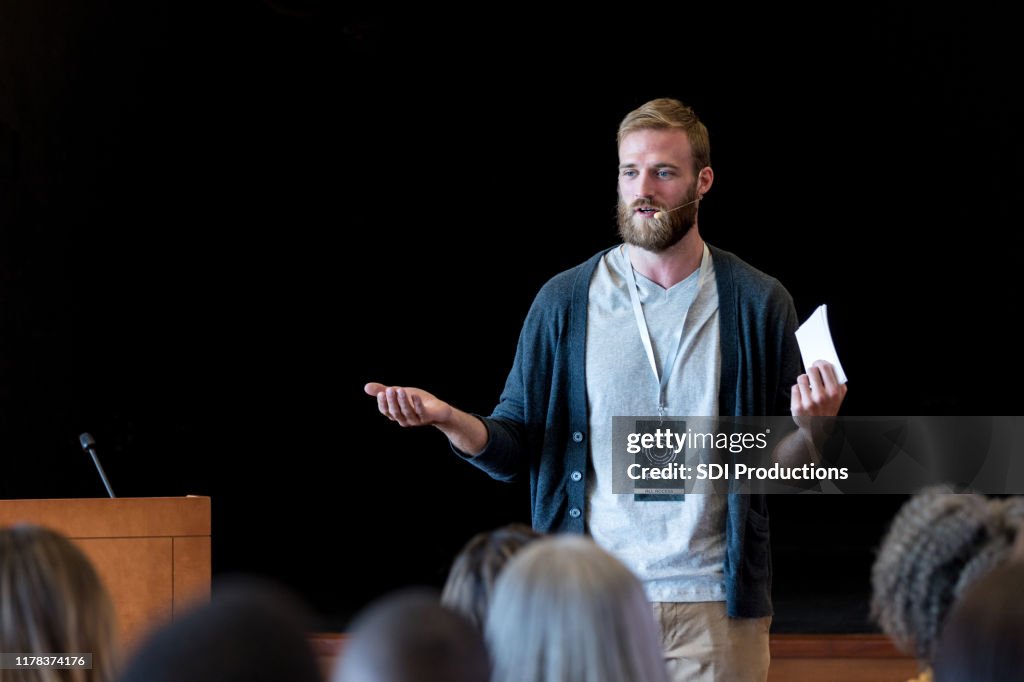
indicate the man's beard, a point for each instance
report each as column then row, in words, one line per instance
column 655, row 234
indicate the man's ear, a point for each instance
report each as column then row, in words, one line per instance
column 705, row 178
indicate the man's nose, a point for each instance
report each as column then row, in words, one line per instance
column 645, row 188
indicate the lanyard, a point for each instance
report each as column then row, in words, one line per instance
column 645, row 336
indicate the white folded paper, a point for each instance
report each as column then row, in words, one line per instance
column 815, row 342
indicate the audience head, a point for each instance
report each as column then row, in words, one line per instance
column 938, row 545
column 983, row 640
column 249, row 631
column 565, row 610
column 52, row 601
column 409, row 637
column 471, row 580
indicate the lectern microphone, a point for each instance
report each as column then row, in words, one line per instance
column 89, row 445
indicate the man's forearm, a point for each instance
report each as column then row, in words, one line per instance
column 794, row 451
column 466, row 432
column 804, row 445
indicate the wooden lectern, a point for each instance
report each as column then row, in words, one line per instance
column 153, row 554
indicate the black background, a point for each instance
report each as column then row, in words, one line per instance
column 218, row 220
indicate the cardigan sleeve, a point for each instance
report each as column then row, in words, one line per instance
column 516, row 426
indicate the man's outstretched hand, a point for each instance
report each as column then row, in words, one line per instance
column 409, row 406
column 415, row 407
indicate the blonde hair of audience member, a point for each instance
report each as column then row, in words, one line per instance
column 983, row 640
column 472, row 576
column 565, row 610
column 938, row 545
column 52, row 601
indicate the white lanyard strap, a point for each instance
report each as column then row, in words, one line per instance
column 645, row 336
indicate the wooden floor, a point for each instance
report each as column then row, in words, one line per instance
column 843, row 658
column 795, row 658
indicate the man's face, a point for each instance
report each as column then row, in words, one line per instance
column 656, row 173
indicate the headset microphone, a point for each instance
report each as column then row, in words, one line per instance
column 658, row 214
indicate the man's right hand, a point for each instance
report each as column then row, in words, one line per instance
column 415, row 407
column 409, row 406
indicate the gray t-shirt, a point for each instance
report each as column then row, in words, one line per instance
column 676, row 547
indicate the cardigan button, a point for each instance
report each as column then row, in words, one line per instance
column 577, row 436
column 576, row 476
column 574, row 512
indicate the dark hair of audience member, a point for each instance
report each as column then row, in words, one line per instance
column 938, row 545
column 984, row 636
column 472, row 576
column 565, row 610
column 408, row 636
column 53, row 601
column 251, row 630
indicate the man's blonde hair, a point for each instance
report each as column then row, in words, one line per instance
column 670, row 114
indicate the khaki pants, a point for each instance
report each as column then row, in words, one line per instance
column 702, row 643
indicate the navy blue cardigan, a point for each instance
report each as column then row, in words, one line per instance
column 540, row 426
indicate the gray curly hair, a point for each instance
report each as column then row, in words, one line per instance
column 939, row 543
